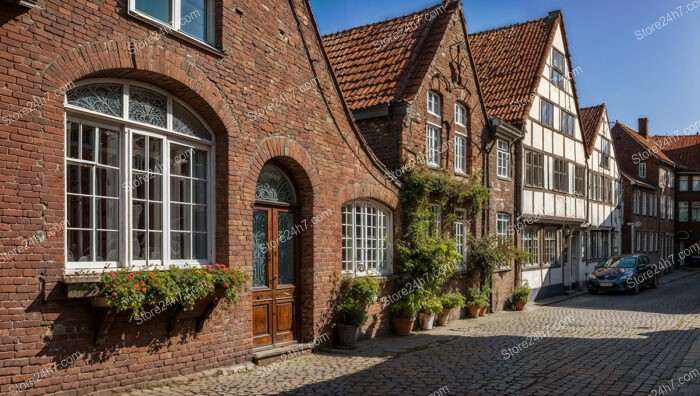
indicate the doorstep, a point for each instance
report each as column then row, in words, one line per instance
column 271, row 355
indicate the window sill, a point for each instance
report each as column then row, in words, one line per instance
column 460, row 173
column 82, row 286
column 504, row 178
column 169, row 30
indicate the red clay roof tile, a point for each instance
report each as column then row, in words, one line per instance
column 385, row 62
column 509, row 62
column 591, row 117
column 683, row 149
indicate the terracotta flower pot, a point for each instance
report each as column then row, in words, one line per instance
column 474, row 311
column 402, row 327
column 444, row 317
column 483, row 310
column 455, row 313
column 520, row 305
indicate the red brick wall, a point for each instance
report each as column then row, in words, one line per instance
column 59, row 42
column 629, row 152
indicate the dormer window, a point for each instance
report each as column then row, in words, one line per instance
column 434, row 104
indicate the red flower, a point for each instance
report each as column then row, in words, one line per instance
column 151, row 275
column 113, row 275
column 131, row 275
column 226, row 285
column 143, row 290
column 114, row 294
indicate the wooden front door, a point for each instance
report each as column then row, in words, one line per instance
column 275, row 292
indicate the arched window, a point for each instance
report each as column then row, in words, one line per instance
column 274, row 185
column 367, row 238
column 139, row 178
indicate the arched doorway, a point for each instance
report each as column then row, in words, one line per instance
column 275, row 260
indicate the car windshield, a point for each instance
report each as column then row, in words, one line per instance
column 620, row 262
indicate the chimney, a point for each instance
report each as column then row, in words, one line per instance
column 644, row 127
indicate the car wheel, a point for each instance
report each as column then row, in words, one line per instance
column 637, row 289
column 592, row 291
column 655, row 282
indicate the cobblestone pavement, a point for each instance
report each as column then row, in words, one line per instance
column 588, row 345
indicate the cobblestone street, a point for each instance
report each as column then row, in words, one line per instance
column 604, row 344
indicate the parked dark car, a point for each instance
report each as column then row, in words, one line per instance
column 624, row 273
column 693, row 260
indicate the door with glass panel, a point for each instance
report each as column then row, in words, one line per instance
column 275, row 237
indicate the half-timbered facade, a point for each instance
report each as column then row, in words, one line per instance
column 551, row 159
column 603, row 234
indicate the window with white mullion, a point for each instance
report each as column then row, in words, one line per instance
column 366, row 232
column 93, row 194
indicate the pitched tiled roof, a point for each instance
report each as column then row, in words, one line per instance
column 646, row 143
column 509, row 62
column 591, row 117
column 379, row 64
column 683, row 149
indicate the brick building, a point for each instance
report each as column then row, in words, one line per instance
column 685, row 151
column 233, row 125
column 648, row 185
column 536, row 95
column 410, row 82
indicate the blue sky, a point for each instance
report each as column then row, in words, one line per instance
column 657, row 76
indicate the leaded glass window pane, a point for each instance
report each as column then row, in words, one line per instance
column 101, row 98
column 186, row 123
column 286, row 248
column 147, row 107
column 260, row 250
column 273, row 185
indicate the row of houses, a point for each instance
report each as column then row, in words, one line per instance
column 143, row 135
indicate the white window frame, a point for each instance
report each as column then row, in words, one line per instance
column 176, row 25
column 683, row 183
column 642, row 170
column 433, row 137
column 502, row 225
column 460, row 115
column 127, row 128
column 434, row 104
column 461, row 237
column 503, row 159
column 460, row 153
column 531, row 243
column 383, row 232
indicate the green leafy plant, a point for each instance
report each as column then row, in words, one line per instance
column 488, row 252
column 474, row 296
column 521, row 294
column 355, row 295
column 404, row 309
column 453, row 300
column 134, row 290
column 485, row 294
column 431, row 306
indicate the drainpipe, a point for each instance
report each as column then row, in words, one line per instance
column 395, row 130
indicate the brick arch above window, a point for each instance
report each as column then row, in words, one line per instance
column 294, row 158
column 368, row 191
column 160, row 66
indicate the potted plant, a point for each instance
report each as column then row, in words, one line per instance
column 520, row 296
column 485, row 293
column 474, row 300
column 451, row 304
column 429, row 308
column 355, row 295
column 403, row 314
